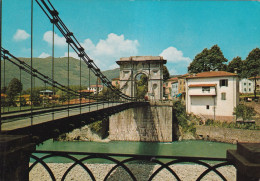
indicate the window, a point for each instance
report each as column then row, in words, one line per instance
column 249, row 84
column 205, row 89
column 245, row 89
column 249, row 89
column 244, row 83
column 223, row 82
column 223, row 96
column 207, row 107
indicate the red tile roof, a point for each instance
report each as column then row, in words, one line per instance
column 172, row 79
column 202, row 85
column 211, row 74
column 257, row 77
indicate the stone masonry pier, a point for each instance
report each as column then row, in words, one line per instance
column 148, row 123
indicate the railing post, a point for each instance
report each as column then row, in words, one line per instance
column 246, row 160
column 15, row 151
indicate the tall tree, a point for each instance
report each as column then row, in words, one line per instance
column 208, row 60
column 166, row 74
column 252, row 65
column 237, row 64
column 14, row 87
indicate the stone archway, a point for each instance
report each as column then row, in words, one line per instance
column 151, row 66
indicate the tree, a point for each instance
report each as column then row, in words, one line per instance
column 166, row 74
column 245, row 112
column 208, row 60
column 252, row 65
column 141, row 86
column 14, row 87
column 237, row 64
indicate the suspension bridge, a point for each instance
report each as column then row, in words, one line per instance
column 59, row 116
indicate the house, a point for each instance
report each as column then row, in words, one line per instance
column 212, row 95
column 96, row 88
column 246, row 86
column 168, row 87
column 182, row 87
column 257, row 83
column 85, row 92
column 175, row 92
column 116, row 82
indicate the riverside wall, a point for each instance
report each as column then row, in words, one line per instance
column 228, row 135
column 149, row 123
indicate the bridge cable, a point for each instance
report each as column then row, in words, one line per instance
column 52, row 71
column 76, row 46
column 5, row 88
column 25, row 67
column 89, row 88
column 31, row 95
column 80, row 88
column 20, row 93
column 68, row 78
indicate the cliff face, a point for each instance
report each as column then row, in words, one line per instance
column 150, row 123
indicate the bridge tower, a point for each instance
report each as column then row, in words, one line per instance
column 151, row 66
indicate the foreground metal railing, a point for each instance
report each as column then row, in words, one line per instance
column 148, row 166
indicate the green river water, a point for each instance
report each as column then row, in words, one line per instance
column 193, row 148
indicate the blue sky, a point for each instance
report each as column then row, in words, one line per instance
column 108, row 30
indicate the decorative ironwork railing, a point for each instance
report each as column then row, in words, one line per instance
column 135, row 167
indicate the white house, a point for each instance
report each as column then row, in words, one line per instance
column 95, row 88
column 246, row 86
column 212, row 95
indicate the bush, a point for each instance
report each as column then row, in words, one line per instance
column 244, row 112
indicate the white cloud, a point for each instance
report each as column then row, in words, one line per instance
column 58, row 40
column 44, row 55
column 107, row 51
column 20, row 35
column 176, row 62
column 174, row 55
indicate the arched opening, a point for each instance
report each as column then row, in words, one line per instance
column 141, row 86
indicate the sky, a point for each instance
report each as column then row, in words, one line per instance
column 110, row 29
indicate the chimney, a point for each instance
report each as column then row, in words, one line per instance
column 235, row 70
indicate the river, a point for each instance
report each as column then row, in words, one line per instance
column 193, row 148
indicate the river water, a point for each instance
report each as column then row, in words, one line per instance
column 193, row 148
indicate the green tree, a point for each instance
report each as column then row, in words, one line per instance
column 244, row 112
column 237, row 64
column 141, row 87
column 208, row 60
column 166, row 74
column 13, row 88
column 252, row 65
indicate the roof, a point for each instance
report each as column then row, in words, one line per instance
column 85, row 91
column 184, row 75
column 172, row 79
column 257, row 77
column 211, row 74
column 141, row 59
column 202, row 85
column 96, row 85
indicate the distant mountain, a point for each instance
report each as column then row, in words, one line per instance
column 44, row 65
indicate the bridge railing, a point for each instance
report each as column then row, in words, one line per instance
column 128, row 167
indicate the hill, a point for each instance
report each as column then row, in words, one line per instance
column 44, row 65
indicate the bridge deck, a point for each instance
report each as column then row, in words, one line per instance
column 19, row 120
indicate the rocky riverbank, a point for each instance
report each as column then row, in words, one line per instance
column 141, row 171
